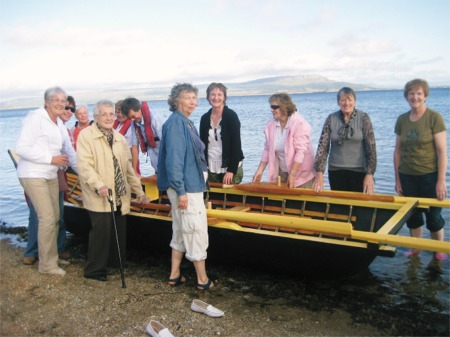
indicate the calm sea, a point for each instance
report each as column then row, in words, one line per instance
column 391, row 274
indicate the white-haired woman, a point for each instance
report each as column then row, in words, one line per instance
column 104, row 162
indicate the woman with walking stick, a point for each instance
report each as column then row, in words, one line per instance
column 104, row 161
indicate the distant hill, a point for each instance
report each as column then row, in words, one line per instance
column 263, row 86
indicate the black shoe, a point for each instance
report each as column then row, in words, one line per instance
column 98, row 277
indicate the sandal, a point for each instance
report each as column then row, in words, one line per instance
column 206, row 285
column 177, row 281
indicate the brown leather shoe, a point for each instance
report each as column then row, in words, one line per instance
column 29, row 260
column 65, row 255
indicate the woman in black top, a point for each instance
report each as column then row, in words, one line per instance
column 220, row 131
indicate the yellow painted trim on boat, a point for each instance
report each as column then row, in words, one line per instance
column 403, row 241
column 397, row 217
column 327, row 226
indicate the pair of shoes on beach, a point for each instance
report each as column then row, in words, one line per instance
column 156, row 329
column 175, row 282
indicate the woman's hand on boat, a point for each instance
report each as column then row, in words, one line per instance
column 228, row 178
column 257, row 177
column 368, row 184
column 291, row 181
column 441, row 190
column 398, row 187
column 143, row 199
column 318, row 182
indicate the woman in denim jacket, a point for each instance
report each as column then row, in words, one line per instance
column 182, row 172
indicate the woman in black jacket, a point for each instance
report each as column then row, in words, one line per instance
column 220, row 131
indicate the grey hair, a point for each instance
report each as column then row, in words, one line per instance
column 176, row 91
column 103, row 102
column 53, row 91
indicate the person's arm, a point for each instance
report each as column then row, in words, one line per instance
column 320, row 161
column 259, row 172
column 370, row 153
column 293, row 173
column 68, row 148
column 86, row 166
column 135, row 159
column 440, row 143
column 397, row 155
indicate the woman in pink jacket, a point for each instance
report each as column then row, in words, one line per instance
column 288, row 150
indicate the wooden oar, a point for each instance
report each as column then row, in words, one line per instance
column 272, row 188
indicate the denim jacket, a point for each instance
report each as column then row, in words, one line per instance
column 179, row 164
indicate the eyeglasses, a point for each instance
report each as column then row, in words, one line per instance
column 107, row 115
column 71, row 108
column 59, row 101
column 274, row 107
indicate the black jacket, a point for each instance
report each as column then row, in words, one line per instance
column 231, row 138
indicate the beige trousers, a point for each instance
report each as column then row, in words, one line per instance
column 44, row 195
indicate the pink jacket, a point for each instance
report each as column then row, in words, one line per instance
column 298, row 148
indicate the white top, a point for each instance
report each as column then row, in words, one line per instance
column 280, row 144
column 215, row 150
column 40, row 139
column 129, row 135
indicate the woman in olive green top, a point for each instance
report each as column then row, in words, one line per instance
column 420, row 159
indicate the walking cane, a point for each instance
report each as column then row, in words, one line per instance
column 117, row 238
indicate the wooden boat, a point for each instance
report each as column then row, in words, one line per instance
column 263, row 225
column 267, row 226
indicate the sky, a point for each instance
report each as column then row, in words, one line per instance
column 84, row 45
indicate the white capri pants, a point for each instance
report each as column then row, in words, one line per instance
column 189, row 226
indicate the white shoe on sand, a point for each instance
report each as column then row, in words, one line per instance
column 205, row 308
column 156, row 329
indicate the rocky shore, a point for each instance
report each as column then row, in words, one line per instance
column 255, row 305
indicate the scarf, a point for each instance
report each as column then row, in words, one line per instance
column 346, row 131
column 119, row 184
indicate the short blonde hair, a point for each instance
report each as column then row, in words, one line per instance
column 416, row 83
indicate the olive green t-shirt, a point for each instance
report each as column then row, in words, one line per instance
column 418, row 152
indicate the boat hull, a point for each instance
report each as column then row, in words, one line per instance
column 281, row 255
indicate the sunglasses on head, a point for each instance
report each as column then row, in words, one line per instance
column 70, row 108
column 274, row 107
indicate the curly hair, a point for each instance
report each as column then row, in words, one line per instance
column 175, row 94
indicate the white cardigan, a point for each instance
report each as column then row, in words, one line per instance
column 40, row 139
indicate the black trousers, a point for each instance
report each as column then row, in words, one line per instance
column 346, row 180
column 102, row 249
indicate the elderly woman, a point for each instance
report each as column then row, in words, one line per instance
column 44, row 147
column 420, row 159
column 182, row 172
column 348, row 138
column 220, row 131
column 82, row 116
column 104, row 162
column 287, row 150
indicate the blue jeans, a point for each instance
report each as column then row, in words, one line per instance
column 33, row 222
column 423, row 186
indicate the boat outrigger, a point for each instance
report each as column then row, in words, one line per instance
column 275, row 227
